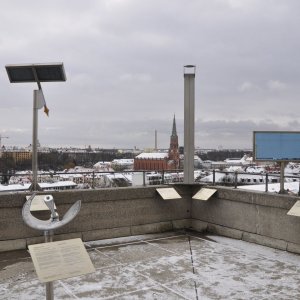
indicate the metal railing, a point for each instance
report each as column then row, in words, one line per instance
column 98, row 179
column 232, row 179
column 92, row 179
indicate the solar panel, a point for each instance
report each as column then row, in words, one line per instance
column 36, row 72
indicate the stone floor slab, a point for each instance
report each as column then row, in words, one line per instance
column 185, row 266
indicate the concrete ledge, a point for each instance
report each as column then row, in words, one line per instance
column 295, row 248
column 199, row 225
column 151, row 228
column 10, row 245
column 181, row 224
column 58, row 237
column 265, row 241
column 118, row 212
column 225, row 231
column 105, row 234
column 256, row 197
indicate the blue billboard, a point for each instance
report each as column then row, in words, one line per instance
column 276, row 145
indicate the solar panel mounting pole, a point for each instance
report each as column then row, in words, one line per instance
column 35, row 134
column 36, row 73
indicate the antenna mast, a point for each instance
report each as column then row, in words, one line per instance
column 2, row 137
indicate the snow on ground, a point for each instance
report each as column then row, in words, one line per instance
column 292, row 187
column 168, row 267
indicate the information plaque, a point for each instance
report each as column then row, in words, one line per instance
column 204, row 194
column 295, row 210
column 38, row 203
column 168, row 193
column 59, row 260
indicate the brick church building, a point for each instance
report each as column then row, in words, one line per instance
column 158, row 161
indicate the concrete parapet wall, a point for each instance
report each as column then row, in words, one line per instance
column 105, row 213
column 251, row 216
column 108, row 213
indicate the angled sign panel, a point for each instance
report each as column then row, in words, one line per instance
column 168, row 193
column 204, row 194
column 60, row 260
column 295, row 210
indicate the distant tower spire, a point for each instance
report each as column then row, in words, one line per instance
column 173, row 150
column 174, row 131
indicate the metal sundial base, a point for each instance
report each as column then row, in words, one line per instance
column 49, row 226
column 54, row 222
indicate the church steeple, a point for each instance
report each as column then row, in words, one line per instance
column 173, row 150
column 174, row 132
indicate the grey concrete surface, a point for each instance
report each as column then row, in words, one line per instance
column 253, row 216
column 100, row 209
column 165, row 266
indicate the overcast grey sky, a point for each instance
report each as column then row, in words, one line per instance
column 124, row 65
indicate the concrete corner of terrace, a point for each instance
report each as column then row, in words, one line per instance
column 144, row 247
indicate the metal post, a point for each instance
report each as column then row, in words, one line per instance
column 189, row 123
column 49, row 285
column 214, row 176
column 267, row 181
column 34, row 140
column 144, row 178
column 20, row 73
column 235, row 179
column 282, row 166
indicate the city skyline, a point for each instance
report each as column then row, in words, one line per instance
column 124, row 66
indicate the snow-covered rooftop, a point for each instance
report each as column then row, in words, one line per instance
column 292, row 187
column 123, row 161
column 153, row 155
column 43, row 185
column 182, row 266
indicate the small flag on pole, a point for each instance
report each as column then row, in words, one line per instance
column 46, row 110
column 41, row 102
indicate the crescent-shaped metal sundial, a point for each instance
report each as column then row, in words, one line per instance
column 53, row 222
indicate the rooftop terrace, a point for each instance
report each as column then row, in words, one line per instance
column 183, row 258
column 182, row 265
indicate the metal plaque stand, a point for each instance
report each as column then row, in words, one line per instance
column 49, row 285
column 49, row 226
